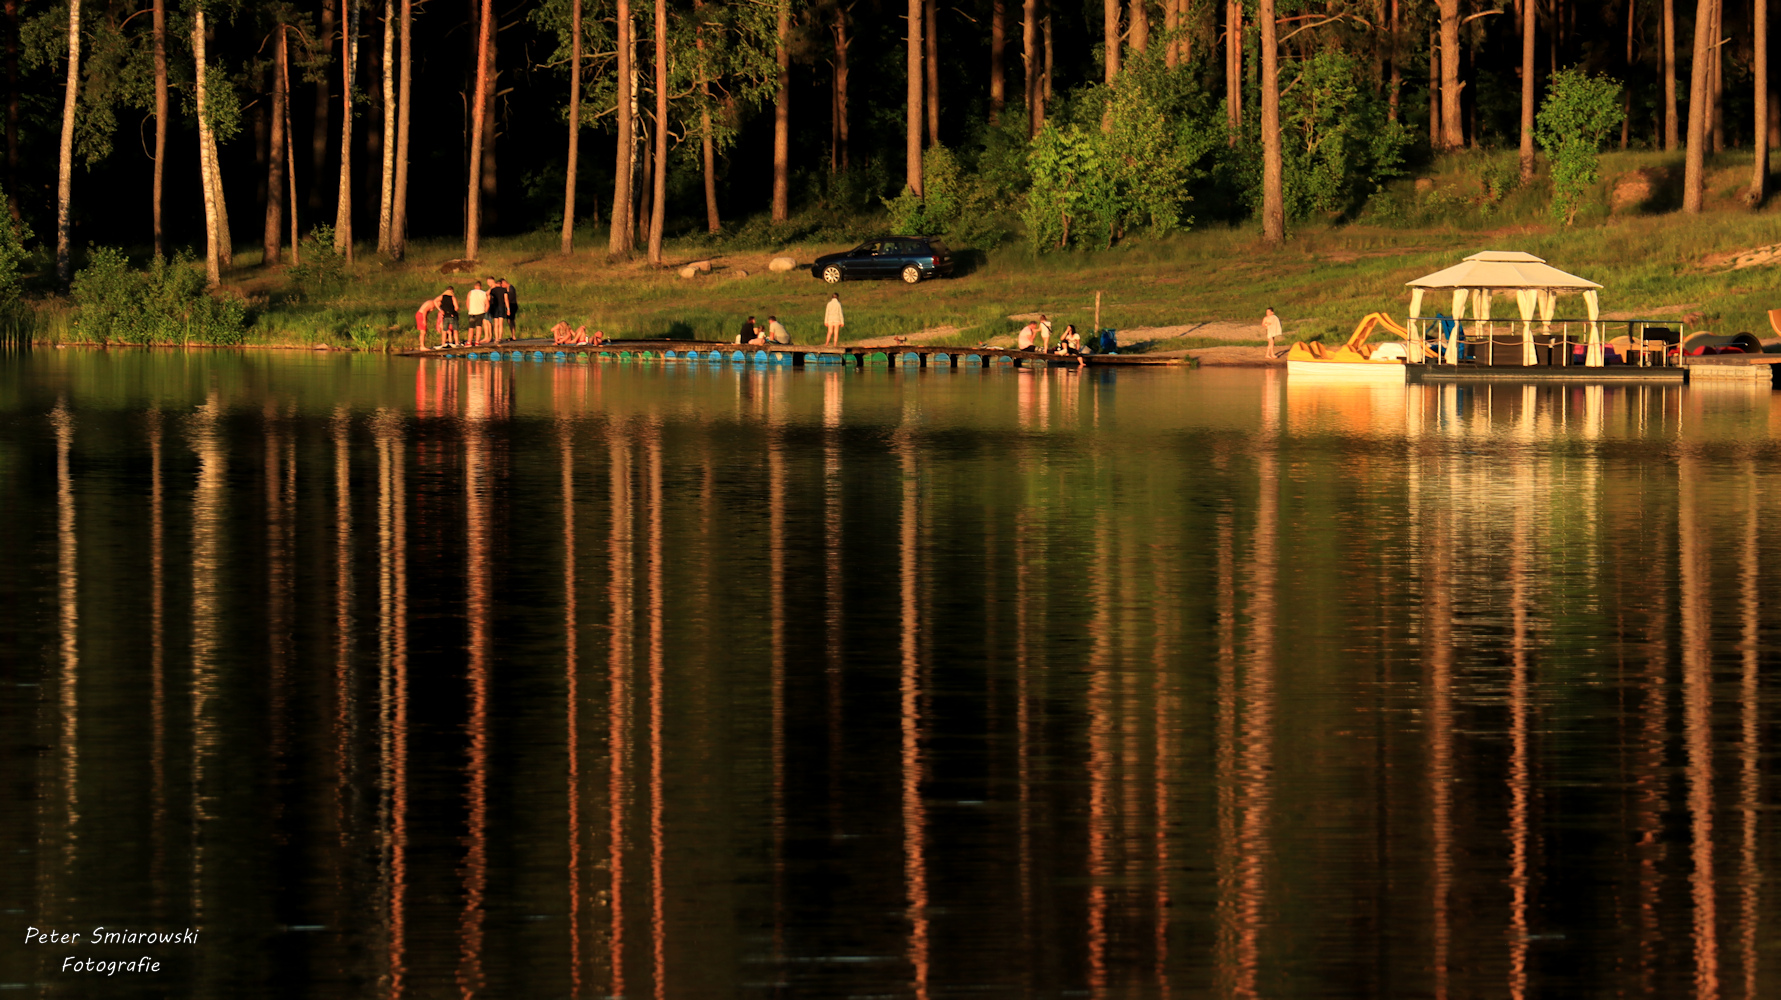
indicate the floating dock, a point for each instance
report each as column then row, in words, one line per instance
column 796, row 355
column 1726, row 369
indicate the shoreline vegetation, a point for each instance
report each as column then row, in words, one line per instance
column 1196, row 291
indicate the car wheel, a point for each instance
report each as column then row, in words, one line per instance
column 911, row 274
column 832, row 274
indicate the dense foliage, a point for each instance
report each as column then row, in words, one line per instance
column 165, row 304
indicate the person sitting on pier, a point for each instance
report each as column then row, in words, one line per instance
column 760, row 338
column 747, row 334
column 1029, row 335
column 1070, row 342
column 561, row 334
column 776, row 331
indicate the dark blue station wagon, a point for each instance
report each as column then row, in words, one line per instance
column 910, row 258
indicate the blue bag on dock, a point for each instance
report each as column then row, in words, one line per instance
column 1109, row 341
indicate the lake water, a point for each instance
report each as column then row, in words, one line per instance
column 491, row 679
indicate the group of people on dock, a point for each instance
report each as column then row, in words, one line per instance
column 492, row 315
column 1038, row 332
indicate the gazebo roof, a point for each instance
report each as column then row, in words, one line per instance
column 1503, row 269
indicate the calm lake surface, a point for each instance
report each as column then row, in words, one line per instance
column 403, row 678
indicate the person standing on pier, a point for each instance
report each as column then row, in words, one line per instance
column 448, row 317
column 421, row 317
column 478, row 306
column 834, row 321
column 1271, row 330
column 498, row 307
column 512, row 308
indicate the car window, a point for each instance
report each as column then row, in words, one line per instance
column 937, row 248
column 912, row 248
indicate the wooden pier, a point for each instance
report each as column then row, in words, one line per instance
column 795, row 355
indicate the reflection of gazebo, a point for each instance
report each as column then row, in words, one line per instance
column 1534, row 283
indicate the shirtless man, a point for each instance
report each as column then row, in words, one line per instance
column 420, row 319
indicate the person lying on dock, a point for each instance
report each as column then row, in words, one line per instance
column 597, row 340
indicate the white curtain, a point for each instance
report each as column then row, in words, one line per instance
column 1594, row 359
column 1549, row 305
column 1460, row 295
column 1526, row 299
column 1413, row 326
column 1481, row 314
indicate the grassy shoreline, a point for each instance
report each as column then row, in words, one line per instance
column 1658, row 265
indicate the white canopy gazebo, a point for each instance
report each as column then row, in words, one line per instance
column 1534, row 283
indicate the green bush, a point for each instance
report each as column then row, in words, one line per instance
column 1578, row 113
column 1121, row 161
column 321, row 269
column 167, row 304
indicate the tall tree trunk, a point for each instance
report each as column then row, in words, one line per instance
column 290, row 150
column 262, row 144
column 1717, row 82
column 386, row 214
column 159, row 30
column 213, row 267
column 575, row 124
column 349, row 50
column 998, row 43
column 1671, row 119
column 399, row 211
column 931, row 39
column 913, row 96
column 1759, row 70
column 646, row 190
column 1045, row 74
column 1033, row 60
column 1434, row 90
column 640, row 152
column 782, row 115
column 1273, row 198
column 318, row 142
column 1110, row 38
column 1694, row 173
column 1233, row 68
column 619, row 241
column 842, row 126
column 658, row 201
column 65, row 164
column 1453, row 134
column 1394, row 91
column 12, row 108
column 1626, row 118
column 273, row 237
column 1527, row 89
column 708, row 142
column 1139, row 20
column 491, row 131
column 473, row 194
column 1172, row 25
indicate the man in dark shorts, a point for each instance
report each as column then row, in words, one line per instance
column 512, row 307
column 498, row 307
column 448, row 317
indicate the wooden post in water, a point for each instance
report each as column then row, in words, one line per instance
column 1097, row 316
